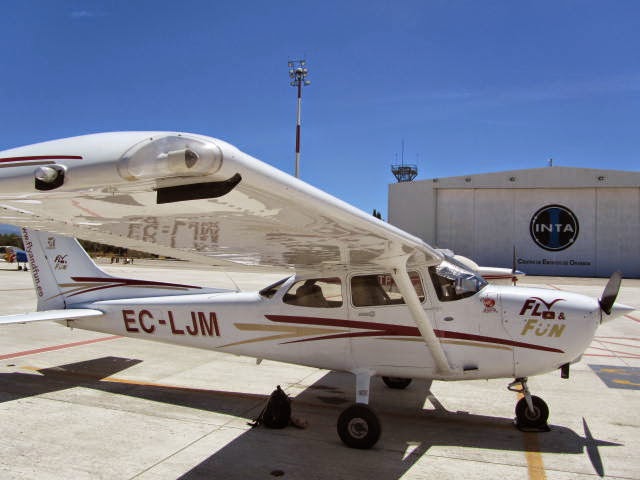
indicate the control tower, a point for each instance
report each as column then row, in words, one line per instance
column 404, row 172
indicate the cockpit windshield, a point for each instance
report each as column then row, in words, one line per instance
column 454, row 282
column 271, row 290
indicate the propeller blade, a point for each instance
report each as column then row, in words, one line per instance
column 513, row 262
column 610, row 292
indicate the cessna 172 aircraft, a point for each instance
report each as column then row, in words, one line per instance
column 362, row 296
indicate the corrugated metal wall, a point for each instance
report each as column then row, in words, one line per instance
column 485, row 224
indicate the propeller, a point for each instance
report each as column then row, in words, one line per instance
column 610, row 292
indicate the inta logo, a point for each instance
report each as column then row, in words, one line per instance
column 554, row 228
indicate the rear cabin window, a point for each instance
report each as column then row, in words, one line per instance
column 316, row 293
column 381, row 289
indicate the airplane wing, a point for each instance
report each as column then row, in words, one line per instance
column 195, row 198
column 49, row 315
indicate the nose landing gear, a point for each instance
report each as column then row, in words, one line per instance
column 531, row 412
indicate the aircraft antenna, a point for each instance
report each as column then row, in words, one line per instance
column 402, row 172
column 298, row 75
column 232, row 281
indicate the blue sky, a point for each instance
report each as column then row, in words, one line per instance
column 471, row 86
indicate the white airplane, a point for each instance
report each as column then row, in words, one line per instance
column 362, row 297
column 499, row 275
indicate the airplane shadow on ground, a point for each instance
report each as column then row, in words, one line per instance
column 316, row 452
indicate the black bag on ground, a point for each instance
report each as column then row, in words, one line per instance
column 277, row 412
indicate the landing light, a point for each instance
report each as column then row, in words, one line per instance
column 49, row 177
column 180, row 161
column 170, row 156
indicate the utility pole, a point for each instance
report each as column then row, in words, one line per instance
column 298, row 75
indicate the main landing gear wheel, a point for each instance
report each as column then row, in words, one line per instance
column 359, row 427
column 532, row 419
column 396, row 382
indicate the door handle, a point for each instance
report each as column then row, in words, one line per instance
column 367, row 314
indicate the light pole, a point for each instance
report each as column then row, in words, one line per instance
column 298, row 75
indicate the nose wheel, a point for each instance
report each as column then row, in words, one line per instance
column 531, row 412
column 535, row 417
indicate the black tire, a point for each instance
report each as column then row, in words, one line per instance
column 397, row 382
column 359, row 427
column 527, row 418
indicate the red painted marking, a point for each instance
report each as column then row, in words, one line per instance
column 76, row 204
column 132, row 282
column 113, row 282
column 619, row 338
column 632, row 318
column 632, row 355
column 609, row 342
column 609, row 356
column 57, row 347
column 40, row 157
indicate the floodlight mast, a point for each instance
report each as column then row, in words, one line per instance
column 298, row 74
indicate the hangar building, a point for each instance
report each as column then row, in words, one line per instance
column 562, row 221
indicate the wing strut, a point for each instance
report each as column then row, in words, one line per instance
column 403, row 281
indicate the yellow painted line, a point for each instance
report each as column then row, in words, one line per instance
column 613, row 370
column 535, row 464
column 626, row 382
column 126, row 381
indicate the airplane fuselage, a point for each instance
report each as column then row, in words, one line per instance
column 496, row 332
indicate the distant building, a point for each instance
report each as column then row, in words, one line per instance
column 561, row 221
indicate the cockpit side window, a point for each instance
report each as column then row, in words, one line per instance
column 316, row 293
column 381, row 289
column 452, row 282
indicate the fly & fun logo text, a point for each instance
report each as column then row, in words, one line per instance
column 544, row 321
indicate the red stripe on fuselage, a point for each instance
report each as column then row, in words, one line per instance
column 131, row 282
column 40, row 157
column 383, row 329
